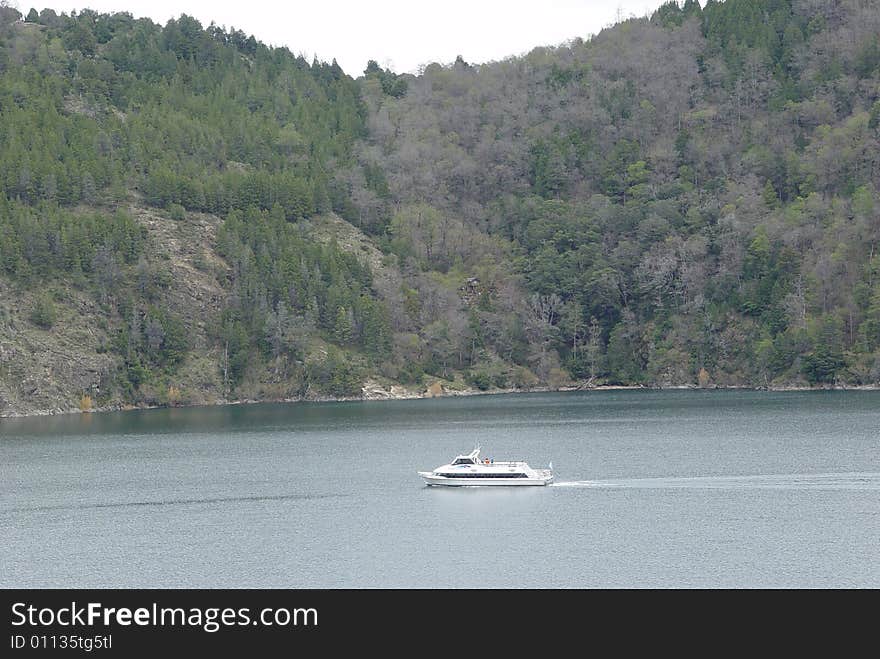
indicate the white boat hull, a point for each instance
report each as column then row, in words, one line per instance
column 544, row 477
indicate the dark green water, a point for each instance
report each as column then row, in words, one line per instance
column 679, row 488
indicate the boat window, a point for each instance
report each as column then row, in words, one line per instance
column 463, row 461
column 473, row 474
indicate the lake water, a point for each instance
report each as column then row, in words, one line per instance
column 654, row 489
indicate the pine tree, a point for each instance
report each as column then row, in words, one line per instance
column 342, row 328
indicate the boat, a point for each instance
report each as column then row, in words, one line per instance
column 469, row 470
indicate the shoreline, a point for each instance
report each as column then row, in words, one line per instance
column 399, row 393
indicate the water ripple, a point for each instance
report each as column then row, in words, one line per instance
column 174, row 502
column 838, row 481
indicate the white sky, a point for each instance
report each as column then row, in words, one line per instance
column 402, row 34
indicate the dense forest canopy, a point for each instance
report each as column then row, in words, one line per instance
column 694, row 190
column 97, row 109
column 686, row 197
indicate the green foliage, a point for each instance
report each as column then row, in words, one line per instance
column 411, row 373
column 479, row 379
column 874, row 119
column 548, row 169
column 672, row 14
column 319, row 288
column 44, row 314
column 343, row 326
column 48, row 240
column 391, row 83
column 237, row 349
column 335, row 375
column 185, row 118
column 196, row 117
column 702, row 184
column 375, row 326
column 151, row 341
column 177, row 212
column 697, row 190
column 822, row 364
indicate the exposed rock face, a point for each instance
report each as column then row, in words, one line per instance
column 187, row 250
column 434, row 389
column 49, row 371
column 373, row 390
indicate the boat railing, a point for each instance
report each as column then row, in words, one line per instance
column 509, row 463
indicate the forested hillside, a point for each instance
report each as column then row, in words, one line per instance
column 689, row 198
column 103, row 118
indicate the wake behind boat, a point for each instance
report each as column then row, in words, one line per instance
column 470, row 469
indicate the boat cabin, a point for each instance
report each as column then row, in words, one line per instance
column 469, row 459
